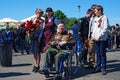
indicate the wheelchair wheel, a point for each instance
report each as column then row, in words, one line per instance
column 73, row 61
column 65, row 76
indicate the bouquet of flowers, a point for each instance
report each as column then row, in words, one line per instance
column 32, row 25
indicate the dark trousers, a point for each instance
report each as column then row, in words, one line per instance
column 84, row 56
column 51, row 57
column 14, row 46
column 109, row 44
column 23, row 46
column 100, row 49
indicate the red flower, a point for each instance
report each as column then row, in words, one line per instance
column 37, row 23
column 33, row 25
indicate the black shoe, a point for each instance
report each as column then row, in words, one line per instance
column 35, row 69
column 104, row 72
column 45, row 72
column 16, row 51
column 57, row 77
column 97, row 69
column 28, row 53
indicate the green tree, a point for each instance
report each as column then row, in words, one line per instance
column 67, row 21
column 70, row 22
column 59, row 14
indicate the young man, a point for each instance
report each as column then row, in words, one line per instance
column 84, row 29
column 91, row 49
column 100, row 35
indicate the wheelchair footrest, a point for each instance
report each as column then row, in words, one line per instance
column 48, row 72
column 53, row 72
column 43, row 72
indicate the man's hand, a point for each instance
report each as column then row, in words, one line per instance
column 62, row 43
column 53, row 43
column 95, row 39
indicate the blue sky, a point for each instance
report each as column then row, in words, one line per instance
column 20, row 9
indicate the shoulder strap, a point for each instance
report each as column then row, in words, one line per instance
column 53, row 19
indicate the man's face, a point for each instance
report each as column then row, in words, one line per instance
column 97, row 12
column 61, row 28
column 93, row 10
column 89, row 14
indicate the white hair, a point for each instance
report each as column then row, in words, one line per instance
column 61, row 25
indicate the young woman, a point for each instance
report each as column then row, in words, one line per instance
column 35, row 30
column 50, row 24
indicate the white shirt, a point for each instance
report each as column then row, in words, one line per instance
column 34, row 19
column 102, row 31
column 91, row 23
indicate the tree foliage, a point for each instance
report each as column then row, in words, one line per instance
column 67, row 21
column 59, row 14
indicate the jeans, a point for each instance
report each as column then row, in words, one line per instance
column 100, row 49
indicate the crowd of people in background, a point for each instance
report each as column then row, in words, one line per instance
column 92, row 31
column 114, row 38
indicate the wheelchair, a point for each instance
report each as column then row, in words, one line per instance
column 69, row 65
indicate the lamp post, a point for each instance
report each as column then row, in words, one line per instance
column 79, row 10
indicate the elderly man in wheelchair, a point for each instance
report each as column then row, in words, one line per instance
column 58, row 49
